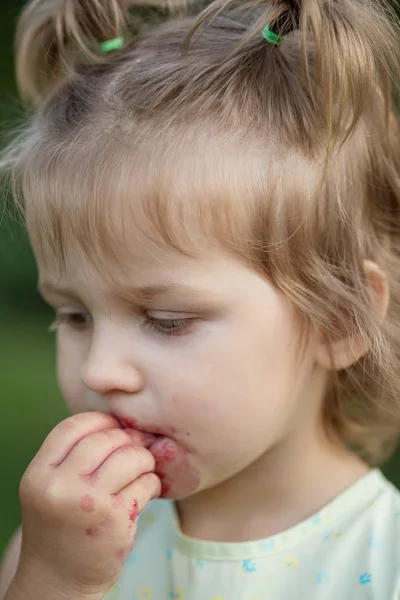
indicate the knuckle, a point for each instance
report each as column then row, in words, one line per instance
column 152, row 484
column 66, row 426
column 115, row 435
column 150, row 460
column 75, row 423
column 31, row 483
column 54, row 494
column 25, row 486
column 144, row 459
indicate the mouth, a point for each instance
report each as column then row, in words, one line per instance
column 144, row 436
column 172, row 464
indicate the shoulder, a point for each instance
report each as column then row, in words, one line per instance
column 379, row 543
column 356, row 548
column 10, row 561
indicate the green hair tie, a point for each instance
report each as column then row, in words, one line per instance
column 271, row 37
column 111, row 45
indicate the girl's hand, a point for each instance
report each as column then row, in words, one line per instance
column 80, row 498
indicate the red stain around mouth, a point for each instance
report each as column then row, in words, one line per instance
column 173, row 469
column 130, row 423
column 166, row 453
column 165, row 487
column 133, row 515
column 87, row 504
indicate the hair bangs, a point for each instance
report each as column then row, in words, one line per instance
column 96, row 195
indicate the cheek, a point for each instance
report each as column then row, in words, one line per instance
column 69, row 363
column 240, row 392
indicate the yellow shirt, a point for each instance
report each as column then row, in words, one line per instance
column 350, row 550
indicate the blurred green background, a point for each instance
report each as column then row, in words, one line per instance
column 30, row 402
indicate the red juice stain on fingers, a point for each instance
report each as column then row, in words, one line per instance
column 87, row 504
column 91, row 479
column 92, row 532
column 134, row 512
column 118, row 501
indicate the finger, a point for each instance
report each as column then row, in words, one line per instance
column 122, row 467
column 134, row 497
column 69, row 432
column 91, row 451
column 140, row 438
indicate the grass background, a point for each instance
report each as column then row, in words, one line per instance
column 30, row 404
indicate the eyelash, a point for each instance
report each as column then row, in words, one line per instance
column 171, row 327
column 166, row 327
column 70, row 319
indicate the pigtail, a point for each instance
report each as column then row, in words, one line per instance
column 345, row 49
column 52, row 35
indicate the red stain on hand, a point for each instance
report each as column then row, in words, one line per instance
column 87, row 503
column 133, row 515
column 92, row 532
column 118, row 501
column 90, row 479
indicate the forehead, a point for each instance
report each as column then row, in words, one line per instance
column 144, row 275
column 121, row 204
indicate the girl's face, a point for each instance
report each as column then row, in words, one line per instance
column 209, row 360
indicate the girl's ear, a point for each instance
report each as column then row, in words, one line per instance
column 342, row 353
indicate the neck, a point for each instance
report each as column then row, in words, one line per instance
column 288, row 484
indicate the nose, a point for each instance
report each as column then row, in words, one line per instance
column 110, row 365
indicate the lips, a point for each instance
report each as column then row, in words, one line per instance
column 142, row 436
column 130, row 423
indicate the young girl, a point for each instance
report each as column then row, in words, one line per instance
column 218, row 230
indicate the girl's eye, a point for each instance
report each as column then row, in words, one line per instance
column 75, row 319
column 171, row 327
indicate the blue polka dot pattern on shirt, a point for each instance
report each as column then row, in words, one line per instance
column 249, row 566
column 365, row 578
column 201, row 563
column 268, row 544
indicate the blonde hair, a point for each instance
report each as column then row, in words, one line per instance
column 289, row 156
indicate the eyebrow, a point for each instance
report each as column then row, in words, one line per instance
column 140, row 294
